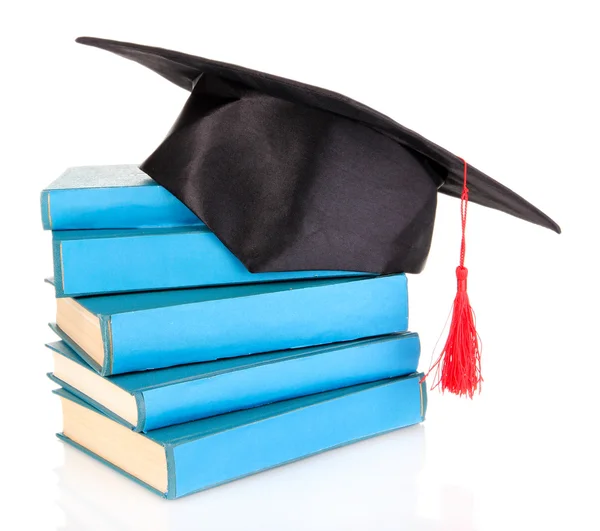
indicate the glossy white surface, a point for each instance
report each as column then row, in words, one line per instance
column 512, row 87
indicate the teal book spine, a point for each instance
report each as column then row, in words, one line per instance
column 213, row 451
column 113, row 261
column 111, row 197
column 175, row 395
column 150, row 330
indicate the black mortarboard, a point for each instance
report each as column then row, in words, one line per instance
column 295, row 177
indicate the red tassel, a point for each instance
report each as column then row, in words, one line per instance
column 458, row 368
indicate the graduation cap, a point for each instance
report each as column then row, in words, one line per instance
column 295, row 177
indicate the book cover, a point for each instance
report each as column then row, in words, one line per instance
column 110, row 261
column 154, row 399
column 148, row 330
column 187, row 458
column 111, row 197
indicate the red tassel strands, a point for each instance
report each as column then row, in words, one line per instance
column 458, row 368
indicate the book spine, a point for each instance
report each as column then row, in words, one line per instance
column 156, row 261
column 57, row 261
column 203, row 331
column 114, row 208
column 45, row 210
column 281, row 380
column 141, row 411
column 107, row 341
column 211, row 461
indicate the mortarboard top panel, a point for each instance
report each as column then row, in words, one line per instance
column 295, row 177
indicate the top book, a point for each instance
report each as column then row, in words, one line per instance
column 111, row 197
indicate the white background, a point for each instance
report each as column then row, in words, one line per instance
column 511, row 86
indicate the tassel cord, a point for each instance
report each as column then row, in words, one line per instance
column 458, row 368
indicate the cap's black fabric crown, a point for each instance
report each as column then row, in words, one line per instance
column 294, row 177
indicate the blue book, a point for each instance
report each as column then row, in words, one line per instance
column 154, row 399
column 330, row 488
column 138, row 331
column 187, row 458
column 111, row 197
column 110, row 261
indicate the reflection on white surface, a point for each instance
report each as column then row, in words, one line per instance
column 324, row 492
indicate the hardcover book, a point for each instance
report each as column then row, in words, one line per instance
column 87, row 487
column 187, row 458
column 111, row 261
column 111, row 197
column 138, row 331
column 154, row 399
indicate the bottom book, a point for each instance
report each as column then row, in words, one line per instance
column 327, row 494
column 187, row 458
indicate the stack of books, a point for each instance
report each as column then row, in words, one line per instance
column 182, row 370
